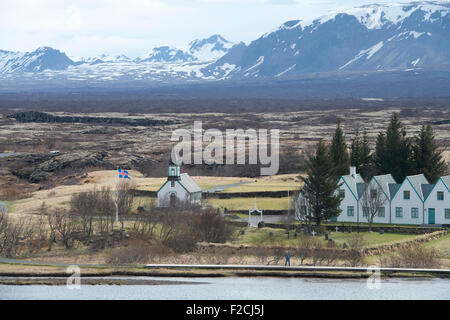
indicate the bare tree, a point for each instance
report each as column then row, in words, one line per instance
column 12, row 232
column 125, row 197
column 66, row 226
column 85, row 205
column 372, row 201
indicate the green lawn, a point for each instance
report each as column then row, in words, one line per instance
column 262, row 237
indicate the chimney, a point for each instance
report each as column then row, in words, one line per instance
column 353, row 171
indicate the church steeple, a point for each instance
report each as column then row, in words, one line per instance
column 173, row 172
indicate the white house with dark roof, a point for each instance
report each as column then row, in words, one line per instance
column 179, row 188
column 407, row 205
column 387, row 186
column 351, row 188
column 437, row 202
column 414, row 201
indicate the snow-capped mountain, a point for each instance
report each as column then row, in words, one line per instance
column 41, row 59
column 105, row 58
column 373, row 37
column 166, row 54
column 211, row 48
column 378, row 37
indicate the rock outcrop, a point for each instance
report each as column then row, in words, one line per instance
column 35, row 116
column 39, row 167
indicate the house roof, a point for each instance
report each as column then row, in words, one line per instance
column 352, row 183
column 426, row 189
column 188, row 183
column 417, row 181
column 393, row 188
column 361, row 187
column 387, row 184
column 446, row 181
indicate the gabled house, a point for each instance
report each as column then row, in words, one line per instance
column 178, row 189
column 437, row 202
column 351, row 188
column 407, row 205
column 386, row 186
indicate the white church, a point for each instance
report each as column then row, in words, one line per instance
column 178, row 189
column 414, row 201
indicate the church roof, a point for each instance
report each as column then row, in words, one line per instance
column 188, row 183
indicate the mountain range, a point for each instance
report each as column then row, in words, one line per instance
column 371, row 38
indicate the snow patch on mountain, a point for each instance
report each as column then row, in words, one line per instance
column 211, row 48
column 366, row 52
column 375, row 16
column 166, row 54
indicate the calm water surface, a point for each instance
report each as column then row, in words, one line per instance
column 243, row 288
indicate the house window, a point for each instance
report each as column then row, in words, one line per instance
column 406, row 195
column 365, row 211
column 415, row 213
column 350, row 211
column 447, row 213
column 440, row 195
column 381, row 212
column 398, row 212
column 373, row 193
column 172, row 184
column 342, row 193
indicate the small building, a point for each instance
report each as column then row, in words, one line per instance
column 178, row 189
column 407, row 205
column 386, row 185
column 437, row 202
column 351, row 188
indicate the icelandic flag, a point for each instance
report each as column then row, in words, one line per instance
column 123, row 174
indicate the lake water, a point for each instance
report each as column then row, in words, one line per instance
column 243, row 288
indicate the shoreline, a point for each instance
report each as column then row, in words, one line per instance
column 91, row 275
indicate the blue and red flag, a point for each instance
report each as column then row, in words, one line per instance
column 123, row 174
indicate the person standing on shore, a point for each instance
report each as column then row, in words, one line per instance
column 288, row 259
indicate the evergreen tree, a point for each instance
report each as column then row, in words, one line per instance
column 393, row 151
column 365, row 158
column 360, row 154
column 320, row 186
column 338, row 152
column 355, row 150
column 425, row 156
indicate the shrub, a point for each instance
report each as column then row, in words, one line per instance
column 354, row 254
column 418, row 256
column 211, row 226
column 305, row 244
column 135, row 252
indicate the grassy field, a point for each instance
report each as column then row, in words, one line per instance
column 282, row 182
column 249, row 203
column 204, row 182
column 262, row 237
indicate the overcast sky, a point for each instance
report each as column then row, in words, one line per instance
column 90, row 27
